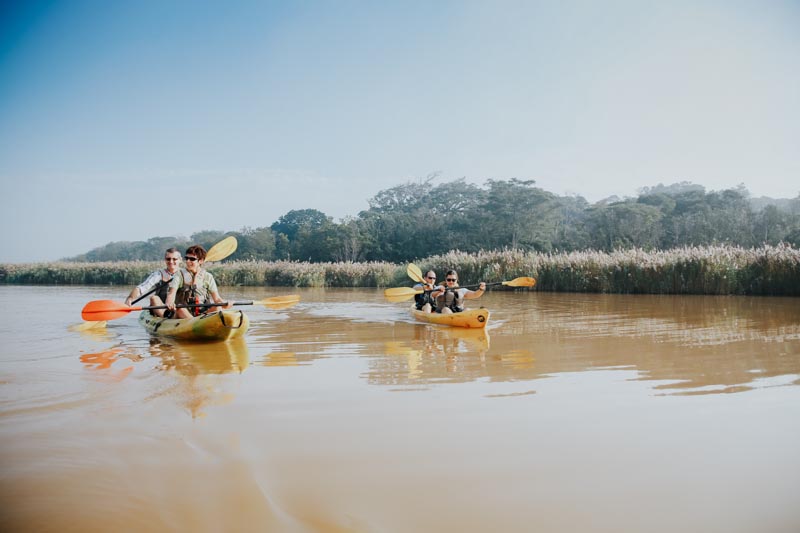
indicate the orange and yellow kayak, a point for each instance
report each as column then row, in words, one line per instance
column 219, row 326
column 470, row 318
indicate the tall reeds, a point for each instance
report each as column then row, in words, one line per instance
column 767, row 270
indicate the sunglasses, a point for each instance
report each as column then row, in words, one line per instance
column 451, row 279
column 172, row 259
column 430, row 277
column 190, row 258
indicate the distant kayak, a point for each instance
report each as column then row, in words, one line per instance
column 471, row 318
column 219, row 326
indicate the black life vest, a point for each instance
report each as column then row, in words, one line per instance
column 424, row 298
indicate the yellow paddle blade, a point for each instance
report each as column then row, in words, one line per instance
column 222, row 249
column 521, row 282
column 396, row 292
column 86, row 326
column 398, row 299
column 414, row 273
column 280, row 302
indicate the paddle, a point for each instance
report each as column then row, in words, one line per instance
column 516, row 282
column 111, row 310
column 396, row 293
column 415, row 273
column 222, row 249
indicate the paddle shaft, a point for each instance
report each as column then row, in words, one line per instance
column 207, row 304
column 148, row 293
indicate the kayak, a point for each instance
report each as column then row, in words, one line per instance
column 470, row 318
column 219, row 326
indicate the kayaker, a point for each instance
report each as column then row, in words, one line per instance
column 450, row 298
column 194, row 285
column 158, row 282
column 425, row 301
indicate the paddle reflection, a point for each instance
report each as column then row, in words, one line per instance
column 280, row 359
column 93, row 330
column 103, row 361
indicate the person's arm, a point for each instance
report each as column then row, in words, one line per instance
column 175, row 283
column 218, row 299
column 135, row 293
column 144, row 286
column 471, row 295
column 214, row 291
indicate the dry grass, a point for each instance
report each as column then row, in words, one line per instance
column 768, row 270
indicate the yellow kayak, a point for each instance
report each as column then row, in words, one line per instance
column 470, row 318
column 219, row 326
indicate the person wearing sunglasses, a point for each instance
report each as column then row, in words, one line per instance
column 194, row 285
column 157, row 283
column 424, row 302
column 450, row 297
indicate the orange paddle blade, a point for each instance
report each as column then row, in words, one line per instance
column 105, row 310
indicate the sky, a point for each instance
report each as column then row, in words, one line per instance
column 122, row 121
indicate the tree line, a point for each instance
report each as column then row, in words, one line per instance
column 420, row 219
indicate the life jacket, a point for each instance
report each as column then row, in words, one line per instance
column 162, row 287
column 424, row 298
column 451, row 298
column 192, row 292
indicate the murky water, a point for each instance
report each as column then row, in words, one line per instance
column 568, row 413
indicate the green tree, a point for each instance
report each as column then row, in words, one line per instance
column 516, row 214
column 624, row 225
column 255, row 244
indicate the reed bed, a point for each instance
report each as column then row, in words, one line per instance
column 767, row 270
column 304, row 274
column 69, row 273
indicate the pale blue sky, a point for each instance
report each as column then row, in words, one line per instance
column 128, row 120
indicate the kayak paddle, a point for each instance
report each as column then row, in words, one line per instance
column 222, row 249
column 395, row 293
column 110, row 310
column 415, row 273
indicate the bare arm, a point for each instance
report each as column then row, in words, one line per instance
column 471, row 295
column 135, row 293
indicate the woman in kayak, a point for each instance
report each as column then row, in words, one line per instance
column 425, row 301
column 157, row 282
column 450, row 298
column 194, row 285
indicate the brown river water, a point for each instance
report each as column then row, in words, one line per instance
column 569, row 413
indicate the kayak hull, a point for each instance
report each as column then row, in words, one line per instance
column 471, row 318
column 219, row 326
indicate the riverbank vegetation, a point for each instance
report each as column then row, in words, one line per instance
column 721, row 269
column 676, row 239
column 417, row 220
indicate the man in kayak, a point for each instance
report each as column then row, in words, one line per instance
column 424, row 301
column 157, row 282
column 450, row 298
column 194, row 285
